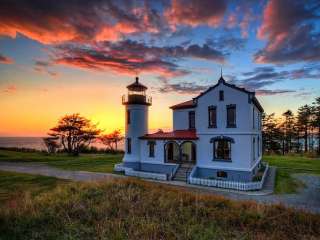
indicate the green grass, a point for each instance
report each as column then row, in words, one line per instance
column 15, row 184
column 84, row 162
column 289, row 164
column 286, row 165
column 132, row 209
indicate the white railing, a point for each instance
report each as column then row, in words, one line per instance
column 244, row 186
column 119, row 167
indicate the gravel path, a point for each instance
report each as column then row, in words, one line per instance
column 307, row 198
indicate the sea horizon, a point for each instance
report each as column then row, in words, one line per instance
column 37, row 143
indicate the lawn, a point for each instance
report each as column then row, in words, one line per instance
column 289, row 164
column 13, row 185
column 84, row 162
column 133, row 209
column 286, row 165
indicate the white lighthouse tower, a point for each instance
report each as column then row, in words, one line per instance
column 136, row 125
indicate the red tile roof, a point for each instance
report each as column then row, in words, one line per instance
column 174, row 135
column 187, row 104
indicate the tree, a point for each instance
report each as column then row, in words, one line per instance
column 316, row 119
column 51, row 144
column 304, row 123
column 270, row 133
column 287, row 127
column 74, row 131
column 111, row 140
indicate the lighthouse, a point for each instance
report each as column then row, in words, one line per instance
column 136, row 104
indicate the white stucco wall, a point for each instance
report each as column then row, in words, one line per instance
column 181, row 118
column 158, row 152
column 242, row 149
column 138, row 127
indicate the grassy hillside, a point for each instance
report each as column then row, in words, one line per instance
column 132, row 209
column 13, row 185
column 84, row 162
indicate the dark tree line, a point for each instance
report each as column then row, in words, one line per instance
column 294, row 133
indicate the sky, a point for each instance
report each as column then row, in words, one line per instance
column 60, row 57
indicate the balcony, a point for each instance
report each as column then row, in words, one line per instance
column 136, row 99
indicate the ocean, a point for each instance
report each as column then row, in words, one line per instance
column 37, row 143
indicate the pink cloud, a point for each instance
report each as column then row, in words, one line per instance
column 194, row 13
column 10, row 89
column 291, row 35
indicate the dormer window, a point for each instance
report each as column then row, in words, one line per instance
column 221, row 95
column 231, row 116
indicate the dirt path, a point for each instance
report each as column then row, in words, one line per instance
column 307, row 198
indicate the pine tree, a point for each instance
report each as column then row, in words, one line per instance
column 316, row 120
column 304, row 123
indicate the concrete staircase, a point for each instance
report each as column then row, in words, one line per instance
column 183, row 172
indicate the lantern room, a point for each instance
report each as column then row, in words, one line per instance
column 136, row 94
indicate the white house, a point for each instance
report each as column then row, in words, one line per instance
column 216, row 136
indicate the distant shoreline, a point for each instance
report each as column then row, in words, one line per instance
column 36, row 143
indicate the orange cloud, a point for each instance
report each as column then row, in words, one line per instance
column 10, row 89
column 194, row 12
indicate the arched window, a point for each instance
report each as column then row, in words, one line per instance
column 222, row 148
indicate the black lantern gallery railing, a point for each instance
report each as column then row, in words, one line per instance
column 136, row 99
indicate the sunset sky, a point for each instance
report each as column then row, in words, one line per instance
column 59, row 57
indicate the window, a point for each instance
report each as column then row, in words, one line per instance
column 258, row 146
column 231, row 116
column 222, row 149
column 254, row 149
column 192, row 120
column 151, row 148
column 128, row 117
column 221, row 95
column 253, row 119
column 129, row 145
column 222, row 174
column 212, row 114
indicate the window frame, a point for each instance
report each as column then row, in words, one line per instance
column 254, row 149
column 215, row 156
column 221, row 95
column 212, row 124
column 232, row 107
column 190, row 113
column 129, row 145
column 253, row 118
column 222, row 174
column 151, row 145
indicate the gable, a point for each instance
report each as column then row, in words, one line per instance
column 251, row 95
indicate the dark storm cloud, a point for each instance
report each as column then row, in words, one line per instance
column 131, row 57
